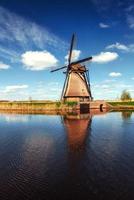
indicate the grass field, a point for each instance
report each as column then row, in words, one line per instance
column 36, row 105
column 122, row 103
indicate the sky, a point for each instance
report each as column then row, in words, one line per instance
column 35, row 38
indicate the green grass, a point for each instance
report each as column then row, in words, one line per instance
column 71, row 103
column 122, row 103
column 52, row 105
column 58, row 104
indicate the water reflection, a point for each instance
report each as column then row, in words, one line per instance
column 78, row 127
column 126, row 115
column 16, row 118
column 87, row 156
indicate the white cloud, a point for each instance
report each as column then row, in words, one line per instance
column 123, row 47
column 102, row 25
column 4, row 66
column 115, row 74
column 41, row 91
column 9, row 54
column 109, row 81
column 105, row 57
column 21, row 34
column 75, row 55
column 47, row 91
column 14, row 88
column 38, row 60
column 110, row 89
column 118, row 46
column 14, row 92
column 14, row 28
column 104, row 86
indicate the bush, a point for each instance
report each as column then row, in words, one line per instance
column 58, row 104
column 71, row 103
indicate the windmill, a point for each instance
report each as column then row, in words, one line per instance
column 77, row 84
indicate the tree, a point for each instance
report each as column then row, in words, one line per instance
column 125, row 96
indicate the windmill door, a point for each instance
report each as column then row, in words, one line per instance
column 84, row 108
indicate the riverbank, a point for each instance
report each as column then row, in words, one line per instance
column 121, row 105
column 50, row 106
column 60, row 107
column 37, row 106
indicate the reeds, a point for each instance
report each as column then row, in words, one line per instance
column 37, row 105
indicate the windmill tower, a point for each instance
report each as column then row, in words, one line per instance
column 77, row 84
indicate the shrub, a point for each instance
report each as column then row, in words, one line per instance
column 71, row 103
column 58, row 104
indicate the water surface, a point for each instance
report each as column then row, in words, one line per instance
column 67, row 157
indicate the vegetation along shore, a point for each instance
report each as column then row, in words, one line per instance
column 121, row 105
column 44, row 106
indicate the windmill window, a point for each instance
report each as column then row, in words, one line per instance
column 81, row 99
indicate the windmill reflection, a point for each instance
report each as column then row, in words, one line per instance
column 78, row 129
column 78, row 126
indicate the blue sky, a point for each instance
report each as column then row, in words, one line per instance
column 35, row 37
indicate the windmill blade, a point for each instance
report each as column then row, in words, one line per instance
column 71, row 49
column 83, row 60
column 88, row 79
column 54, row 70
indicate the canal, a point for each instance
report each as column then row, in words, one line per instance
column 87, row 156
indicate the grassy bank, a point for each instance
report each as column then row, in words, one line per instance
column 37, row 106
column 122, row 105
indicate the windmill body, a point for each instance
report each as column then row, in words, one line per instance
column 77, row 85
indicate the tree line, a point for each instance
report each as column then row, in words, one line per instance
column 125, row 96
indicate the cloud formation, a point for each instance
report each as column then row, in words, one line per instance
column 21, row 34
column 105, row 57
column 14, row 92
column 123, row 47
column 115, row 74
column 3, row 66
column 14, row 88
column 120, row 8
column 38, row 60
column 118, row 46
column 102, row 25
column 112, row 88
column 75, row 55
